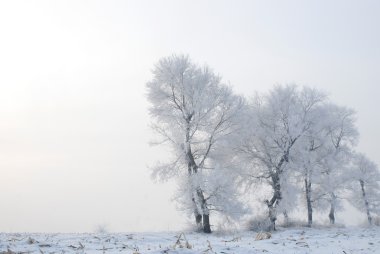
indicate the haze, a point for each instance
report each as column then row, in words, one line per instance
column 74, row 132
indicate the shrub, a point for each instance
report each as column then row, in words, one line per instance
column 259, row 223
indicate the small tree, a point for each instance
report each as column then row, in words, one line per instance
column 196, row 115
column 365, row 187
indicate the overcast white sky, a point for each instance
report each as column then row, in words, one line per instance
column 73, row 114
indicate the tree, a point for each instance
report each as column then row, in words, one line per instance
column 306, row 162
column 323, row 156
column 196, row 115
column 277, row 122
column 343, row 135
column 365, row 187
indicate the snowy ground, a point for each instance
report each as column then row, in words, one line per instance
column 299, row 240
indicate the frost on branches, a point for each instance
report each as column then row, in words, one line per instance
column 279, row 120
column 323, row 157
column 289, row 147
column 197, row 116
column 342, row 137
column 365, row 187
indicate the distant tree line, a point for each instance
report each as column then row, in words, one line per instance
column 292, row 140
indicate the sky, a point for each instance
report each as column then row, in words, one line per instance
column 74, row 123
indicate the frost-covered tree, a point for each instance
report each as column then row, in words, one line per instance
column 306, row 161
column 323, row 156
column 277, row 121
column 197, row 116
column 343, row 135
column 365, row 186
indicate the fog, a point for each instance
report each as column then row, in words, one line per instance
column 74, row 123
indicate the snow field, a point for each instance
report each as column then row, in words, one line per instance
column 284, row 241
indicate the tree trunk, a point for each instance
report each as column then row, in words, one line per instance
column 272, row 217
column 206, row 223
column 197, row 213
column 332, row 215
column 332, row 209
column 198, row 220
column 198, row 198
column 205, row 211
column 286, row 218
column 366, row 203
column 308, row 202
column 274, row 202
